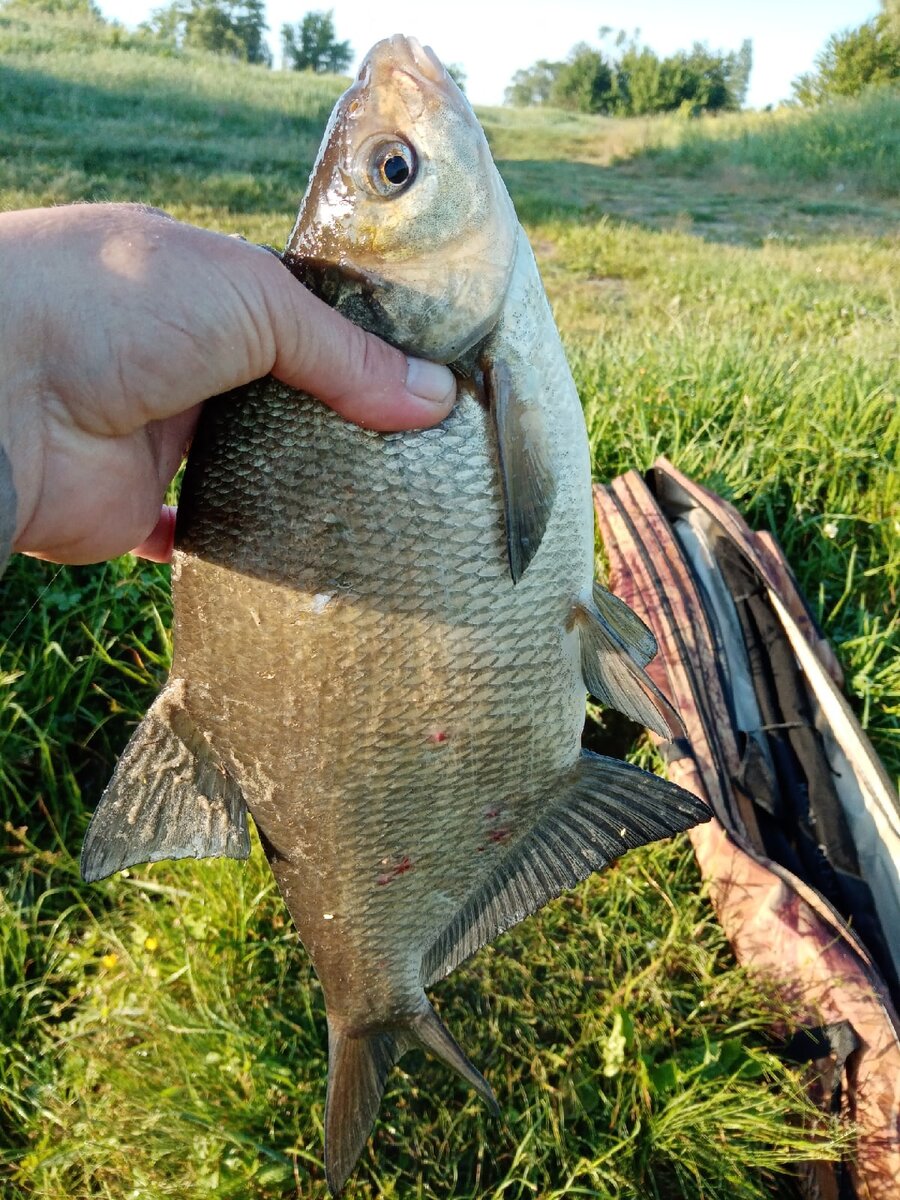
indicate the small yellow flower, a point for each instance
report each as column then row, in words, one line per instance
column 109, row 961
column 151, row 944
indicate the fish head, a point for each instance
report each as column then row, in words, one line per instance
column 406, row 226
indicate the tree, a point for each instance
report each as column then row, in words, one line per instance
column 533, row 85
column 586, row 82
column 312, row 45
column 855, row 59
column 457, row 74
column 740, row 73
column 232, row 27
column 165, row 25
column 68, row 8
column 705, row 77
column 630, row 79
column 642, row 79
column 248, row 20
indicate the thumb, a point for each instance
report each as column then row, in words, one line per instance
column 354, row 372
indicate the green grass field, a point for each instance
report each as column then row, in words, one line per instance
column 162, row 1034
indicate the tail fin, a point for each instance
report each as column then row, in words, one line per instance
column 429, row 1032
column 357, row 1070
column 358, row 1066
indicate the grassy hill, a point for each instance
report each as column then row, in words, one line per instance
column 725, row 299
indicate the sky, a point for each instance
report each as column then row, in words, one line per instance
column 492, row 40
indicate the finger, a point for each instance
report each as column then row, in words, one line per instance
column 159, row 545
column 357, row 374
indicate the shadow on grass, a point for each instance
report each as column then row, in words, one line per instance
column 723, row 205
column 149, row 138
column 801, row 174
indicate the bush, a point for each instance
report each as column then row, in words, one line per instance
column 852, row 61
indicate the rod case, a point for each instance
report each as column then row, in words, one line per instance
column 802, row 858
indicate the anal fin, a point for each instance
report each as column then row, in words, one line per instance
column 169, row 797
column 607, row 808
column 615, row 648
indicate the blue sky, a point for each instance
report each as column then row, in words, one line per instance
column 493, row 40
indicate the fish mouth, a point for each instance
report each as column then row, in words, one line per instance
column 406, row 55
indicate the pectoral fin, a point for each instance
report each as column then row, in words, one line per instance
column 529, row 487
column 615, row 648
column 609, row 807
column 169, row 797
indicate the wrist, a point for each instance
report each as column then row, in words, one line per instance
column 22, row 291
column 7, row 509
column 20, row 445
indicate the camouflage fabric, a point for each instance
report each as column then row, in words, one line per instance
column 758, row 751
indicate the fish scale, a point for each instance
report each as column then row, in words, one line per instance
column 383, row 642
column 443, row 633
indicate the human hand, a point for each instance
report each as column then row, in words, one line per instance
column 116, row 322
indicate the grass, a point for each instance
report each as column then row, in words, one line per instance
column 855, row 143
column 162, row 1035
column 86, row 120
column 741, row 178
column 852, row 142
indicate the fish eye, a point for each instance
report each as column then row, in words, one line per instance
column 395, row 170
column 392, row 167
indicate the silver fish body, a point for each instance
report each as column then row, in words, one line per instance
column 426, row 707
column 383, row 642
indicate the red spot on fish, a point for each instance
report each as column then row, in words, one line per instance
column 399, row 868
column 439, row 737
column 492, row 813
column 499, row 835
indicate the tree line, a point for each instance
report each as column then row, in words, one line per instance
column 855, row 59
column 628, row 79
column 619, row 77
column 235, row 28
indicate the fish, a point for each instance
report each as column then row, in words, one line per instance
column 383, row 642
